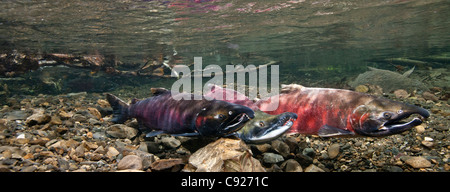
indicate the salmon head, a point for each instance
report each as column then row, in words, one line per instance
column 264, row 127
column 383, row 117
column 221, row 118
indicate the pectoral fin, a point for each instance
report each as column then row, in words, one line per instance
column 187, row 134
column 154, row 133
column 330, row 131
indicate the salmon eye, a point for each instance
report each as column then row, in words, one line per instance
column 219, row 116
column 387, row 115
column 261, row 124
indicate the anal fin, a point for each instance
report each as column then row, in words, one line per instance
column 330, row 131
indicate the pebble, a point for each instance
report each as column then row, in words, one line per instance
column 313, row 168
column 401, row 93
column 428, row 144
column 281, row 148
column 99, row 135
column 103, row 103
column 420, row 129
column 130, row 162
column 441, row 128
column 272, row 158
column 17, row 115
column 79, row 151
column 430, row 96
column 292, row 143
column 64, row 115
column 418, row 162
column 304, row 160
column 170, row 142
column 112, row 152
column 309, row 152
column 153, row 147
column 95, row 113
column 333, row 150
column 165, row 164
column 428, row 139
column 38, row 117
column 121, row 131
column 392, row 169
column 29, row 169
column 55, row 120
column 262, row 148
column 291, row 165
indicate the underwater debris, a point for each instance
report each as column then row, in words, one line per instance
column 389, row 80
column 16, row 63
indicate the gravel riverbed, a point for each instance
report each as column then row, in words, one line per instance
column 72, row 133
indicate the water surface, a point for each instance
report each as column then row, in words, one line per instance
column 319, row 38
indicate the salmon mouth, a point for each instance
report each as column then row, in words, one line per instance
column 401, row 124
column 277, row 127
column 283, row 125
column 237, row 123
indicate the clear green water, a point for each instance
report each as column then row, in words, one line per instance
column 314, row 41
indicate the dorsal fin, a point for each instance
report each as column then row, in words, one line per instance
column 407, row 73
column 159, row 91
column 289, row 88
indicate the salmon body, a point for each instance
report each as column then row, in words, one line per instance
column 338, row 112
column 164, row 114
column 335, row 112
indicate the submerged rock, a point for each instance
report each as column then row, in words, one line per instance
column 121, row 131
column 38, row 117
column 173, row 165
column 272, row 158
column 130, row 162
column 225, row 155
column 401, row 93
column 388, row 80
column 430, row 96
column 333, row 150
column 417, row 162
column 170, row 142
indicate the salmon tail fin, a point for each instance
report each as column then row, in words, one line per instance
column 120, row 109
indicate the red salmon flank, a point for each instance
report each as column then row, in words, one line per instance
column 199, row 121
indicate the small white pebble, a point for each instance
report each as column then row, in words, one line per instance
column 428, row 139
